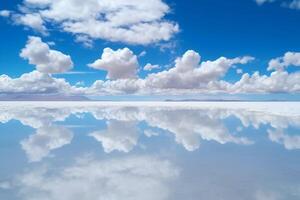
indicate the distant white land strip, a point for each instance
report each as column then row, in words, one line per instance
column 277, row 108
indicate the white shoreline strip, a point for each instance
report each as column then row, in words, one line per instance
column 279, row 108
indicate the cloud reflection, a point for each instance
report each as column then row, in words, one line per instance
column 289, row 141
column 129, row 177
column 119, row 135
column 47, row 138
column 190, row 124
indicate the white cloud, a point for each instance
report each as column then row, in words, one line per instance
column 190, row 75
column 277, row 82
column 289, row 58
column 142, row 54
column 260, row 2
column 85, row 40
column 45, row 59
column 38, row 2
column 39, row 145
column 149, row 67
column 239, row 71
column 135, row 22
column 35, row 83
column 5, row 13
column 33, row 21
column 120, row 86
column 119, row 64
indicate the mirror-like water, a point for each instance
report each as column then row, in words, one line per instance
column 141, row 151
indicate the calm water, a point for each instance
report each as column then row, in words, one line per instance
column 149, row 151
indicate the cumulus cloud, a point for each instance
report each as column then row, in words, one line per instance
column 119, row 64
column 280, row 63
column 27, row 83
column 36, row 83
column 277, row 82
column 189, row 75
column 135, row 22
column 45, row 59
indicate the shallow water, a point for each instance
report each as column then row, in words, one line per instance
column 147, row 151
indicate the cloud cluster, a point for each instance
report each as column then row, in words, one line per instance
column 37, row 83
column 33, row 82
column 277, row 82
column 189, row 75
column 135, row 22
column 45, row 59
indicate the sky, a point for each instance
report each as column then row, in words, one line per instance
column 151, row 49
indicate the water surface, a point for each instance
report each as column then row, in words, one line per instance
column 149, row 150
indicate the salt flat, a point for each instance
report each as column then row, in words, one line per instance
column 279, row 108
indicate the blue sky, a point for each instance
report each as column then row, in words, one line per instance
column 261, row 30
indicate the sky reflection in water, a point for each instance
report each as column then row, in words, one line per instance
column 104, row 150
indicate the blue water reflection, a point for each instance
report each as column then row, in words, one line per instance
column 104, row 150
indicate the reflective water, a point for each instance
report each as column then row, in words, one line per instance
column 149, row 151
